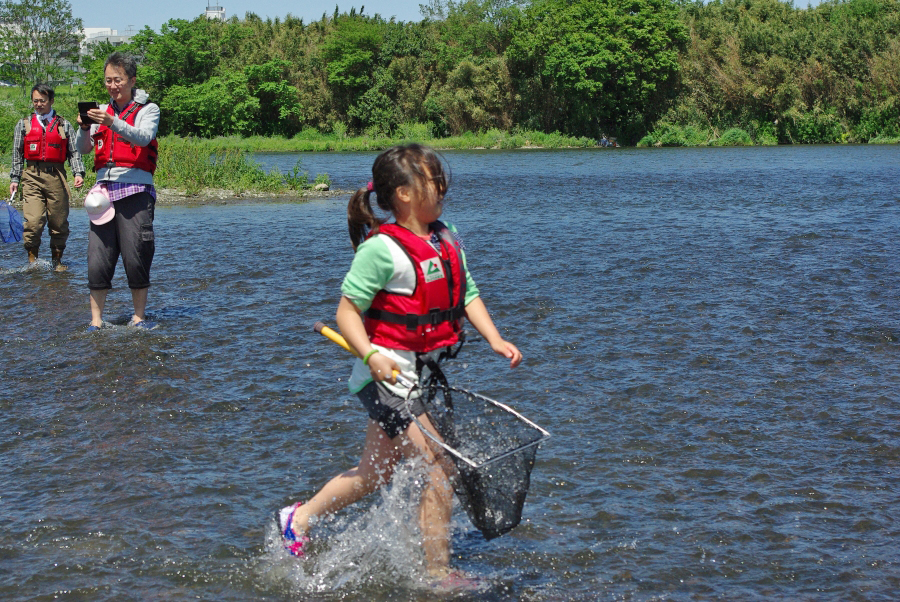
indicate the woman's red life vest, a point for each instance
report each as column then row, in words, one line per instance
column 45, row 144
column 429, row 318
column 112, row 150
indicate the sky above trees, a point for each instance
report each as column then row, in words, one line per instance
column 135, row 15
column 124, row 16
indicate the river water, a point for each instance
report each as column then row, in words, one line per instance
column 711, row 336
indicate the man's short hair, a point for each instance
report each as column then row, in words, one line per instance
column 44, row 90
column 125, row 62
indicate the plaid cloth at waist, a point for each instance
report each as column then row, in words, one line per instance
column 119, row 190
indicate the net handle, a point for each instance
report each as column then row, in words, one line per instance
column 335, row 337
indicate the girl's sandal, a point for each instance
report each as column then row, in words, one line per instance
column 293, row 544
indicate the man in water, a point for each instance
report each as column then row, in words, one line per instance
column 43, row 142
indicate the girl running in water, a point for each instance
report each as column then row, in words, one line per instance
column 404, row 297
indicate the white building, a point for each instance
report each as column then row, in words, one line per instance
column 92, row 35
column 215, row 12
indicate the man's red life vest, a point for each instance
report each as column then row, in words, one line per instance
column 45, row 144
column 112, row 150
column 429, row 318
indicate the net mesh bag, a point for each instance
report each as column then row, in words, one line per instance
column 492, row 448
column 11, row 227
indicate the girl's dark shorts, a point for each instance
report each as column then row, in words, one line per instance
column 387, row 409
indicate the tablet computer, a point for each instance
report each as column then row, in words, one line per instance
column 83, row 107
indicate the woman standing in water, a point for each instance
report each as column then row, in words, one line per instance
column 123, row 139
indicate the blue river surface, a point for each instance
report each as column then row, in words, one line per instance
column 710, row 335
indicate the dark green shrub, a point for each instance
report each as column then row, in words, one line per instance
column 734, row 137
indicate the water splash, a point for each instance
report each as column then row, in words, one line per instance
column 376, row 550
column 36, row 267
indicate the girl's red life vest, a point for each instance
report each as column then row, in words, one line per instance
column 112, row 150
column 428, row 319
column 45, row 144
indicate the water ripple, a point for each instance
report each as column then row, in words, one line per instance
column 710, row 336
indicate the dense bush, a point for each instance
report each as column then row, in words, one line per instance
column 668, row 134
column 734, row 137
column 662, row 72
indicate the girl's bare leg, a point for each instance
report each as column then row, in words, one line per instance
column 437, row 499
column 379, row 458
column 376, row 467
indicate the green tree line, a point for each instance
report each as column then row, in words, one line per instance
column 656, row 71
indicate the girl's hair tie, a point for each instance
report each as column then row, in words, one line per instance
column 370, row 186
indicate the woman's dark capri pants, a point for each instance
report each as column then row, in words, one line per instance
column 130, row 233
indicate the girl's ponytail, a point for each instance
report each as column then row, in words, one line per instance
column 360, row 218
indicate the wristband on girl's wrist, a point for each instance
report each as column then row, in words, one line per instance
column 368, row 355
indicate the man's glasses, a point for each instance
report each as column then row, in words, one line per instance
column 38, row 101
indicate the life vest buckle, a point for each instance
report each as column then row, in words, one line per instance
column 435, row 316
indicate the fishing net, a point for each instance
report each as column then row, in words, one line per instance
column 492, row 448
column 11, row 226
